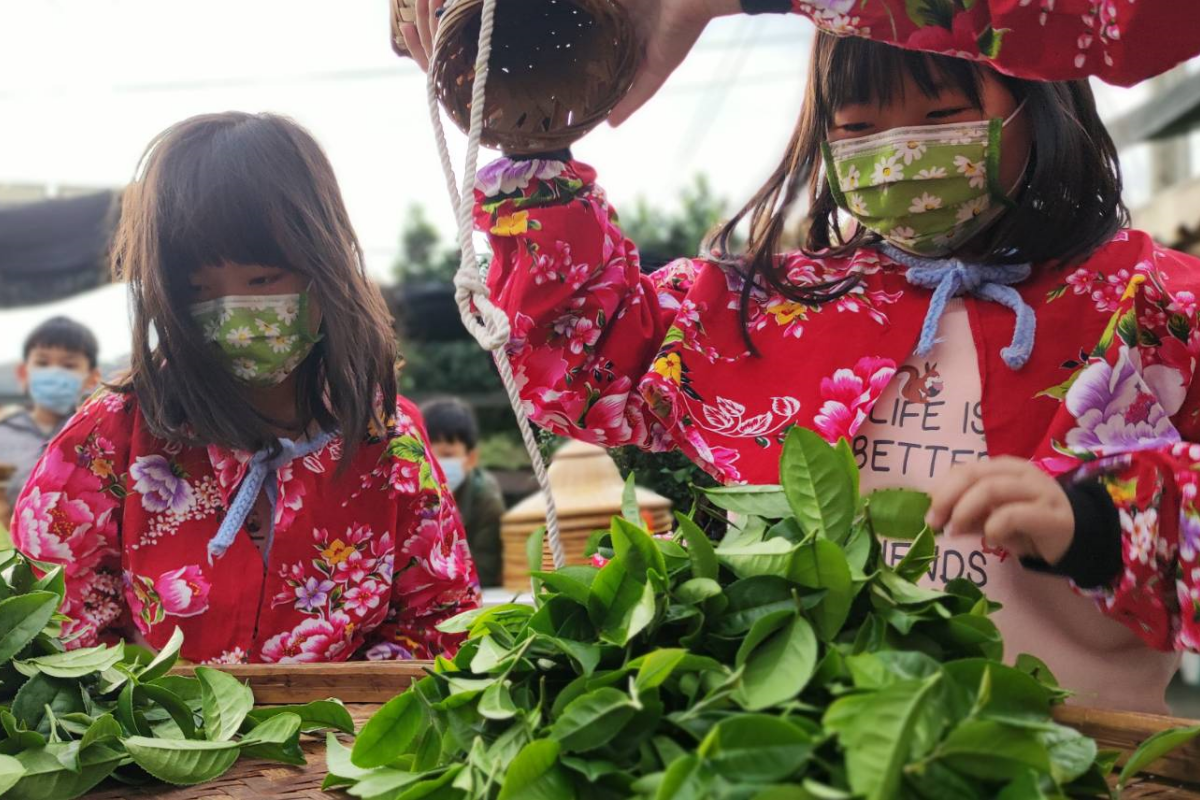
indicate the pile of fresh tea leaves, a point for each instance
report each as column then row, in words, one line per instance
column 786, row 662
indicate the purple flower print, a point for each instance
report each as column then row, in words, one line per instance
column 313, row 594
column 504, row 176
column 161, row 489
column 1115, row 411
column 388, row 651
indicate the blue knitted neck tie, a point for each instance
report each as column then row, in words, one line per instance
column 261, row 466
column 951, row 277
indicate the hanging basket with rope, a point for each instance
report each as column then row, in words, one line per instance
column 558, row 67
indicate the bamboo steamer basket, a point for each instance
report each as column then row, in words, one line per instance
column 587, row 493
column 402, row 11
column 558, row 67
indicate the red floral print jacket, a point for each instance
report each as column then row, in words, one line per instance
column 364, row 562
column 609, row 355
column 1119, row 41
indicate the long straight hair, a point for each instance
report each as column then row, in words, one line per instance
column 247, row 189
column 1069, row 206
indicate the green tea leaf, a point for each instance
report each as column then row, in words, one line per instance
column 897, row 513
column 687, row 778
column 11, row 771
column 179, row 710
column 339, row 763
column 700, row 549
column 103, row 730
column 183, row 762
column 697, row 590
column 1071, row 753
column 496, row 702
column 630, row 510
column 821, row 564
column 45, row 777
column 846, row 453
column 751, row 501
column 389, row 732
column 769, row 557
column 756, row 748
column 637, row 549
column 819, row 491
column 130, row 718
column 21, row 618
column 778, row 657
column 592, row 720
column 314, row 716
column 277, row 739
column 535, row 774
column 1154, row 748
column 585, row 654
column 620, row 605
column 751, row 599
column 656, row 666
column 573, row 581
column 993, row 751
column 225, row 702
column 535, row 550
column 918, row 558
column 72, row 663
column 875, row 730
column 41, row 692
column 165, row 659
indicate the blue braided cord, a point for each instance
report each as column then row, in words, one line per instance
column 261, row 466
column 952, row 277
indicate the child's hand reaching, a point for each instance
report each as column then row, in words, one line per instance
column 1011, row 503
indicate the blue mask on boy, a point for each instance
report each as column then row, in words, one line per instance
column 455, row 471
column 55, row 389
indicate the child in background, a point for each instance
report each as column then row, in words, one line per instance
column 254, row 481
column 58, row 369
column 969, row 312
column 454, row 435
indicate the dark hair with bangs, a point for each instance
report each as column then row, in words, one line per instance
column 1069, row 206
column 65, row 334
column 451, row 420
column 248, row 189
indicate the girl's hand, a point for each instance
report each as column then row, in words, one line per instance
column 418, row 36
column 667, row 30
column 1011, row 503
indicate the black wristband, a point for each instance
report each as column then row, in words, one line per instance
column 766, row 6
column 551, row 155
column 1094, row 558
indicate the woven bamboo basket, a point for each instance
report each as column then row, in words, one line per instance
column 402, row 11
column 587, row 493
column 558, row 67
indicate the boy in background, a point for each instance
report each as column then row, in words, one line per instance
column 58, row 369
column 454, row 434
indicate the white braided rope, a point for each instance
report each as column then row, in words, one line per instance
column 487, row 323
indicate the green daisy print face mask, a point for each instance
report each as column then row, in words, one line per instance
column 925, row 189
column 265, row 337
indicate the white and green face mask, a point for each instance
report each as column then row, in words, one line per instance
column 265, row 337
column 925, row 189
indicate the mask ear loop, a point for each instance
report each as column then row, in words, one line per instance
column 995, row 131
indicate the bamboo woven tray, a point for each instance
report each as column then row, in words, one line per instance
column 366, row 685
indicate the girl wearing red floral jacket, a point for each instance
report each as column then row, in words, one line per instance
column 247, row 483
column 969, row 312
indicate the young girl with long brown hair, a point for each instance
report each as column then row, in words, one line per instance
column 254, row 480
column 969, row 312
